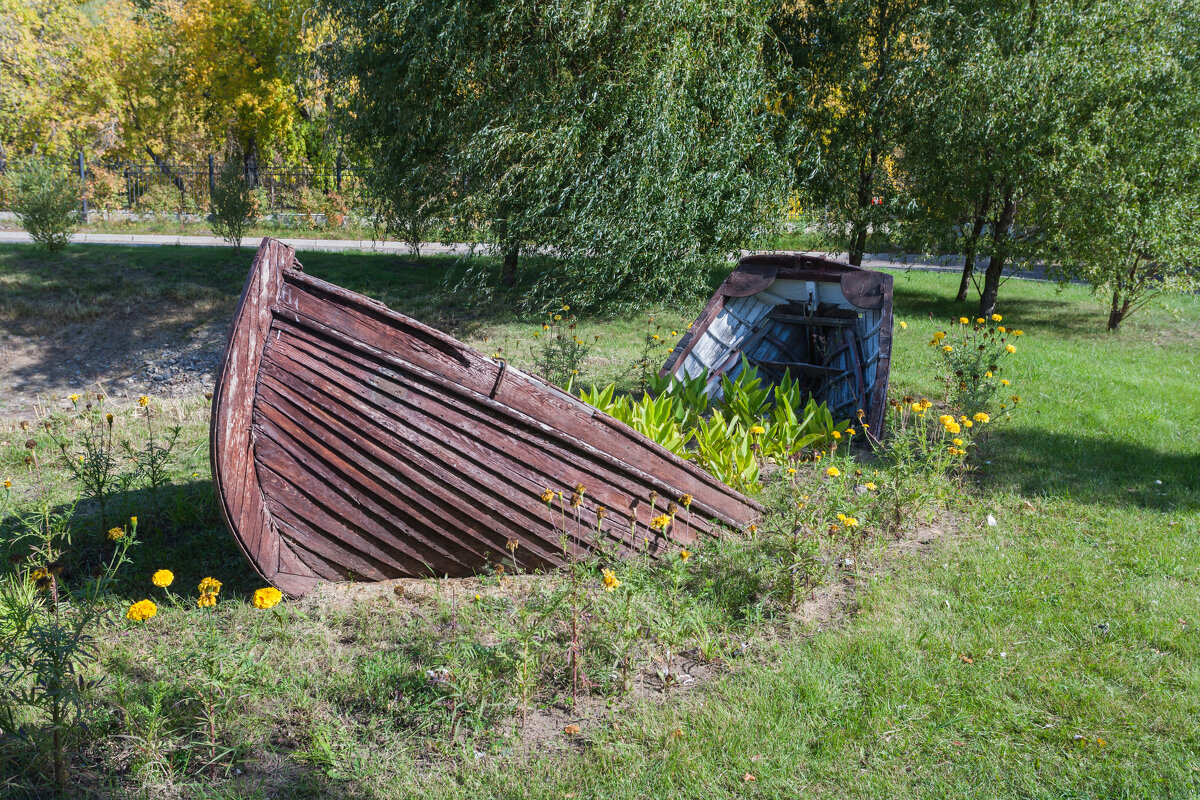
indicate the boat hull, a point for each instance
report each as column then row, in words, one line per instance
column 827, row 323
column 350, row 442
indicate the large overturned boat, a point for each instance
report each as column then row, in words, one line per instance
column 827, row 323
column 350, row 442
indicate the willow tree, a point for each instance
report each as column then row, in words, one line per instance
column 846, row 91
column 630, row 140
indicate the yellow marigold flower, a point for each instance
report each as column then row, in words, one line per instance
column 947, row 348
column 958, row 442
column 133, row 522
column 944, row 418
column 1018, row 332
column 939, row 336
column 1002, row 329
column 141, row 611
column 996, row 317
column 835, row 434
column 39, row 573
column 115, row 533
column 753, row 528
column 660, row 522
column 791, row 470
column 686, row 501
column 850, row 522
column 982, row 417
column 557, row 317
column 547, row 496
column 952, row 427
column 143, row 401
column 545, row 327
column 163, row 578
column 210, row 586
column 903, row 325
column 655, row 337
column 74, row 398
column 968, row 424
column 267, row 598
column 987, row 374
column 1010, row 348
column 685, row 554
column 979, row 320
column 871, row 487
column 963, row 320
column 207, row 600
column 610, row 580
column 1004, row 381
column 7, row 483
column 758, row 430
column 918, row 407
column 833, row 472
column 566, row 308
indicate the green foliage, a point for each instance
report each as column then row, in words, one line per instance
column 234, row 206
column 45, row 200
column 1127, row 180
column 751, row 424
column 628, row 139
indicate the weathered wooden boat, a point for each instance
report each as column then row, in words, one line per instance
column 352, row 442
column 827, row 323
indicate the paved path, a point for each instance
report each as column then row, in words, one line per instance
column 252, row 242
column 871, row 260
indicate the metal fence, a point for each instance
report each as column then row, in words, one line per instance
column 179, row 188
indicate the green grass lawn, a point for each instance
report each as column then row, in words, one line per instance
column 1053, row 654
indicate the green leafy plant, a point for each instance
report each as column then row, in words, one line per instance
column 558, row 351
column 234, row 205
column 46, row 202
column 47, row 638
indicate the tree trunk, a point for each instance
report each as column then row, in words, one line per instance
column 858, row 243
column 250, row 162
column 508, row 270
column 1000, row 249
column 1116, row 312
column 858, row 229
column 972, row 247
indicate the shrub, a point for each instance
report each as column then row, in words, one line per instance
column 234, row 206
column 45, row 201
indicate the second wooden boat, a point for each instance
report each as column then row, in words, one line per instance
column 827, row 323
column 352, row 442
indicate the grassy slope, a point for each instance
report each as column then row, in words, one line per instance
column 1090, row 595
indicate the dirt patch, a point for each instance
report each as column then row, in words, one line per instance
column 174, row 358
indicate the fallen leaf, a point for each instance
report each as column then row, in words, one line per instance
column 678, row 732
column 967, row 659
column 757, row 758
column 571, row 729
column 748, row 777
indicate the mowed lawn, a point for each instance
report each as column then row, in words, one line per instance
column 1053, row 654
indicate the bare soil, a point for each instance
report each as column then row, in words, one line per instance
column 175, row 357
